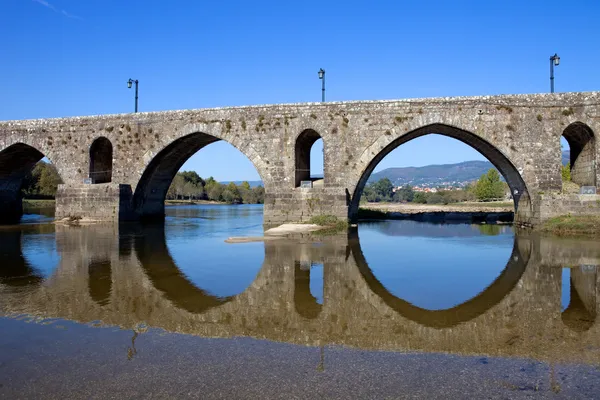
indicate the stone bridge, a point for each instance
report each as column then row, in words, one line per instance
column 120, row 166
column 128, row 278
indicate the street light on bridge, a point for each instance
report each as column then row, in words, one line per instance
column 554, row 60
column 322, row 78
column 129, row 82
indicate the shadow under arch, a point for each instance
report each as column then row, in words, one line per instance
column 450, row 317
column 151, row 190
column 150, row 246
column 582, row 158
column 494, row 155
column 16, row 161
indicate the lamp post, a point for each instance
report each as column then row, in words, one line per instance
column 554, row 60
column 129, row 82
column 322, row 78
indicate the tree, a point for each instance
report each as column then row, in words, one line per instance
column 231, row 194
column 489, row 186
column 404, row 194
column 566, row 173
column 41, row 181
column 384, row 189
column 214, row 190
column 420, row 198
column 435, row 198
column 259, row 194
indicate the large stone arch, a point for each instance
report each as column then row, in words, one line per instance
column 582, row 144
column 476, row 306
column 375, row 153
column 161, row 167
column 17, row 159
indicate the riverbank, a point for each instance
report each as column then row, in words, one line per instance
column 471, row 212
column 568, row 225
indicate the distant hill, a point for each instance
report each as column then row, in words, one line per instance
column 445, row 174
column 566, row 157
column 252, row 183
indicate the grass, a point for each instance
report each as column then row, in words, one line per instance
column 573, row 225
column 38, row 203
column 331, row 224
column 365, row 213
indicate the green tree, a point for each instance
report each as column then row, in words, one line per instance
column 404, row 194
column 420, row 198
column 259, row 194
column 566, row 173
column 489, row 186
column 214, row 190
column 231, row 194
column 41, row 181
column 435, row 198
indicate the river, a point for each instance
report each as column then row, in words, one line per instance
column 390, row 309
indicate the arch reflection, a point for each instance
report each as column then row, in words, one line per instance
column 463, row 312
column 305, row 302
column 15, row 269
column 150, row 246
column 580, row 314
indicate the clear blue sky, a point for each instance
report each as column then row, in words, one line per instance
column 73, row 57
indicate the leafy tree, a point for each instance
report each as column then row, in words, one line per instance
column 214, row 190
column 489, row 186
column 566, row 173
column 259, row 194
column 384, row 189
column 404, row 194
column 420, row 198
column 231, row 194
column 42, row 181
column 435, row 198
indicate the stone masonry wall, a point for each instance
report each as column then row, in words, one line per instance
column 519, row 134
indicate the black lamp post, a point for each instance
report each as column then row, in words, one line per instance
column 322, row 78
column 129, row 82
column 554, row 60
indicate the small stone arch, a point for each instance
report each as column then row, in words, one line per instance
column 582, row 158
column 304, row 143
column 101, row 161
column 374, row 154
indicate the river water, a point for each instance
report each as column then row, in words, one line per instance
column 391, row 309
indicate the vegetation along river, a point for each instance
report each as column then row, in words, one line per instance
column 389, row 309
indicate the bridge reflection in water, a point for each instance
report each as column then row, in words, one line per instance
column 128, row 278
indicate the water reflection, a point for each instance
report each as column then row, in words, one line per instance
column 466, row 311
column 127, row 276
column 580, row 312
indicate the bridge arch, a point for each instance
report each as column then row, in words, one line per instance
column 16, row 161
column 101, row 160
column 374, row 154
column 466, row 311
column 151, row 189
column 582, row 144
column 302, row 149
